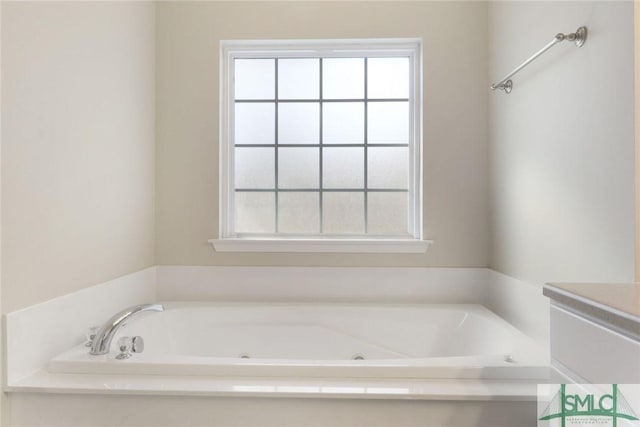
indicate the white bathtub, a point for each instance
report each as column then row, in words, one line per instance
column 319, row 341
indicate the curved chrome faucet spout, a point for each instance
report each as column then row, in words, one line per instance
column 102, row 341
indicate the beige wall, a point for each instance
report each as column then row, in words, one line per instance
column 637, row 122
column 562, row 144
column 77, row 145
column 455, row 142
column 3, row 397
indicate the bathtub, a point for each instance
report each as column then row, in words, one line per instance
column 319, row 341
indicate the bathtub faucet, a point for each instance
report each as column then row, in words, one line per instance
column 102, row 341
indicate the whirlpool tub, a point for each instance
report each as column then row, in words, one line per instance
column 319, row 341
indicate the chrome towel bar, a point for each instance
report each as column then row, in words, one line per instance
column 578, row 38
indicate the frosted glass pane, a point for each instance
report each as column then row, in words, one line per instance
column 388, row 123
column 343, row 78
column 255, row 212
column 299, row 213
column 343, row 123
column 299, row 123
column 343, row 213
column 388, row 167
column 388, row 77
column 255, row 123
column 299, row 78
column 387, row 213
column 255, row 79
column 254, row 168
column 343, row 167
column 298, row 167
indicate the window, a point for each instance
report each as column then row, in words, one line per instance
column 320, row 144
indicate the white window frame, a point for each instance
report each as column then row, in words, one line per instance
column 231, row 242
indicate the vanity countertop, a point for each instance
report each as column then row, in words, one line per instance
column 617, row 305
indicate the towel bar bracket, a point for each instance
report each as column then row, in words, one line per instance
column 578, row 37
column 506, row 86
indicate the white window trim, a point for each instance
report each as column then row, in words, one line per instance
column 230, row 242
column 322, row 245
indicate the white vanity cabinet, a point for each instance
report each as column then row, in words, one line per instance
column 595, row 332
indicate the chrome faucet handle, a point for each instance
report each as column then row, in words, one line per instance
column 137, row 344
column 128, row 345
column 91, row 335
column 125, row 345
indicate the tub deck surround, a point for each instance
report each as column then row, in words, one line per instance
column 443, row 352
column 38, row 334
column 190, row 385
column 35, row 334
column 325, row 284
column 616, row 306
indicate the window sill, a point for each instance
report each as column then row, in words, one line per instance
column 318, row 245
